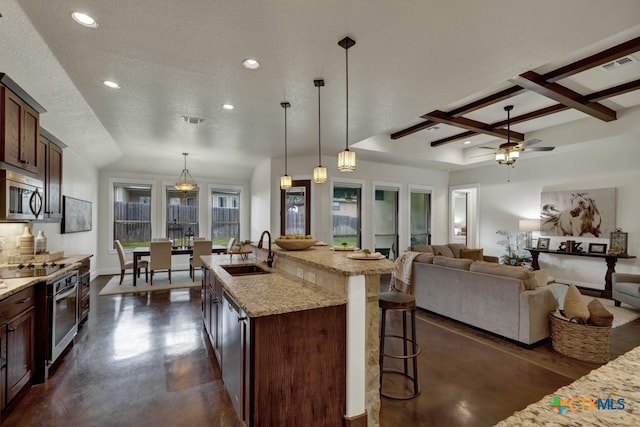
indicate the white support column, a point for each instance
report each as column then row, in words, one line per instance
column 356, row 346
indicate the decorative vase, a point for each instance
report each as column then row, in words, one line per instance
column 26, row 242
column 40, row 243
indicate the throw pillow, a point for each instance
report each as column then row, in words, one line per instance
column 574, row 305
column 442, row 250
column 456, row 248
column 474, row 254
column 514, row 272
column 542, row 277
column 460, row 263
column 426, row 258
column 422, row 248
column 598, row 315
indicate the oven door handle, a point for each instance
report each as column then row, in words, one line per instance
column 71, row 291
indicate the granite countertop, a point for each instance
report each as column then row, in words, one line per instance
column 267, row 294
column 609, row 383
column 14, row 286
column 336, row 261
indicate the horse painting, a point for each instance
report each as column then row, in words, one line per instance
column 582, row 218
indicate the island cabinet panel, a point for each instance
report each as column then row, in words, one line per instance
column 298, row 368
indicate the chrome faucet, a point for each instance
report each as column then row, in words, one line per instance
column 270, row 255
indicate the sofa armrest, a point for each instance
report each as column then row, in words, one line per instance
column 489, row 258
column 535, row 306
column 625, row 277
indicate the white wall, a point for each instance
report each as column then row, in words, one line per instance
column 597, row 164
column 369, row 174
column 261, row 209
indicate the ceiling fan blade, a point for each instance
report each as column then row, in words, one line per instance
column 530, row 142
column 540, row 148
column 488, row 148
column 481, row 155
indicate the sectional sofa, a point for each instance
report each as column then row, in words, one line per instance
column 512, row 302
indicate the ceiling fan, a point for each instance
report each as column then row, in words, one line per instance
column 509, row 152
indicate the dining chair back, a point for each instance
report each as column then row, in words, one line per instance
column 125, row 265
column 232, row 240
column 160, row 258
column 200, row 248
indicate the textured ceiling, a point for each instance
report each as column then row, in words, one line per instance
column 176, row 58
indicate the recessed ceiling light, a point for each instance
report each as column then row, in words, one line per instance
column 251, row 64
column 112, row 85
column 84, row 19
column 467, row 142
column 228, row 107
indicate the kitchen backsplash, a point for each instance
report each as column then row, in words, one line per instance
column 10, row 240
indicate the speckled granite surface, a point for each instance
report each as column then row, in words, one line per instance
column 274, row 293
column 616, row 380
column 336, row 261
column 14, row 286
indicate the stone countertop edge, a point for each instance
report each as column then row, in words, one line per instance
column 16, row 285
column 268, row 294
column 336, row 261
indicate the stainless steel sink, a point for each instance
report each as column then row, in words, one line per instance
column 244, row 269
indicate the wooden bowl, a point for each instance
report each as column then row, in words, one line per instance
column 295, row 244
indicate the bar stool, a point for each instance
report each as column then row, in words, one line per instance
column 407, row 304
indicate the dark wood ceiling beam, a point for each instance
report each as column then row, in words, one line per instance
column 534, row 82
column 473, row 125
column 614, row 91
column 412, row 129
column 487, row 100
column 600, row 58
column 514, row 120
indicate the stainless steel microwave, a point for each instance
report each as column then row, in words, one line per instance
column 21, row 196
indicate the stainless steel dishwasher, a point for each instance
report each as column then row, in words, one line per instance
column 234, row 326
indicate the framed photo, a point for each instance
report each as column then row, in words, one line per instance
column 597, row 248
column 543, row 243
column 76, row 215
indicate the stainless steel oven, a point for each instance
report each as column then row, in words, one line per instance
column 21, row 196
column 62, row 294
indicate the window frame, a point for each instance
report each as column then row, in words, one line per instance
column 113, row 181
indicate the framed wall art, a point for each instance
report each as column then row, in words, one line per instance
column 76, row 215
column 543, row 243
column 579, row 213
column 597, row 248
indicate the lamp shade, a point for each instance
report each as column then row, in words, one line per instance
column 346, row 161
column 285, row 182
column 319, row 174
column 529, row 225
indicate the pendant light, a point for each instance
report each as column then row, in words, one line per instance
column 346, row 158
column 319, row 172
column 285, row 180
column 185, row 181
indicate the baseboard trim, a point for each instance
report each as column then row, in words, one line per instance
column 356, row 421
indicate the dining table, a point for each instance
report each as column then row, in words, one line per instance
column 141, row 251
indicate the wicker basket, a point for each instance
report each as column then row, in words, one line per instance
column 583, row 342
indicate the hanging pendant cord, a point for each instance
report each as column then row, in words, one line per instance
column 346, row 55
column 285, row 140
column 319, row 146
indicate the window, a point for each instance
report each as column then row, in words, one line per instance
column 385, row 221
column 346, row 219
column 182, row 215
column 420, row 218
column 132, row 214
column 225, row 215
column 295, row 205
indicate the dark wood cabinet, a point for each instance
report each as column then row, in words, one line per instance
column 211, row 302
column 20, row 127
column 51, row 174
column 84, row 288
column 17, row 330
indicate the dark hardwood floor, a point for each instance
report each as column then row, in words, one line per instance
column 143, row 360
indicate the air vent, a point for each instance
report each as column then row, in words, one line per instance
column 192, row 120
column 620, row 62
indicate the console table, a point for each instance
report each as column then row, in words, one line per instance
column 610, row 259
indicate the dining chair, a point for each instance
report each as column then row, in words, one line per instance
column 200, row 248
column 160, row 258
column 125, row 265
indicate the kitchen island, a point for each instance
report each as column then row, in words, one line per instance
column 321, row 283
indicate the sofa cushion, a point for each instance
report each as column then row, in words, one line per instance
column 542, row 277
column 525, row 275
column 456, row 248
column 574, row 305
column 425, row 257
column 422, row 248
column 598, row 315
column 460, row 263
column 443, row 250
column 474, row 254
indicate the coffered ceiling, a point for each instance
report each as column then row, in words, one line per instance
column 414, row 62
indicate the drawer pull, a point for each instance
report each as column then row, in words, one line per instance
column 25, row 300
column 12, row 329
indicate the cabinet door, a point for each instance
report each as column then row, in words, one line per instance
column 30, row 136
column 20, row 331
column 54, row 182
column 3, row 365
column 12, row 120
column 41, row 158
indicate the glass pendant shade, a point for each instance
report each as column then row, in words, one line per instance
column 320, row 174
column 501, row 157
column 346, row 161
column 514, row 155
column 285, row 182
column 185, row 181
